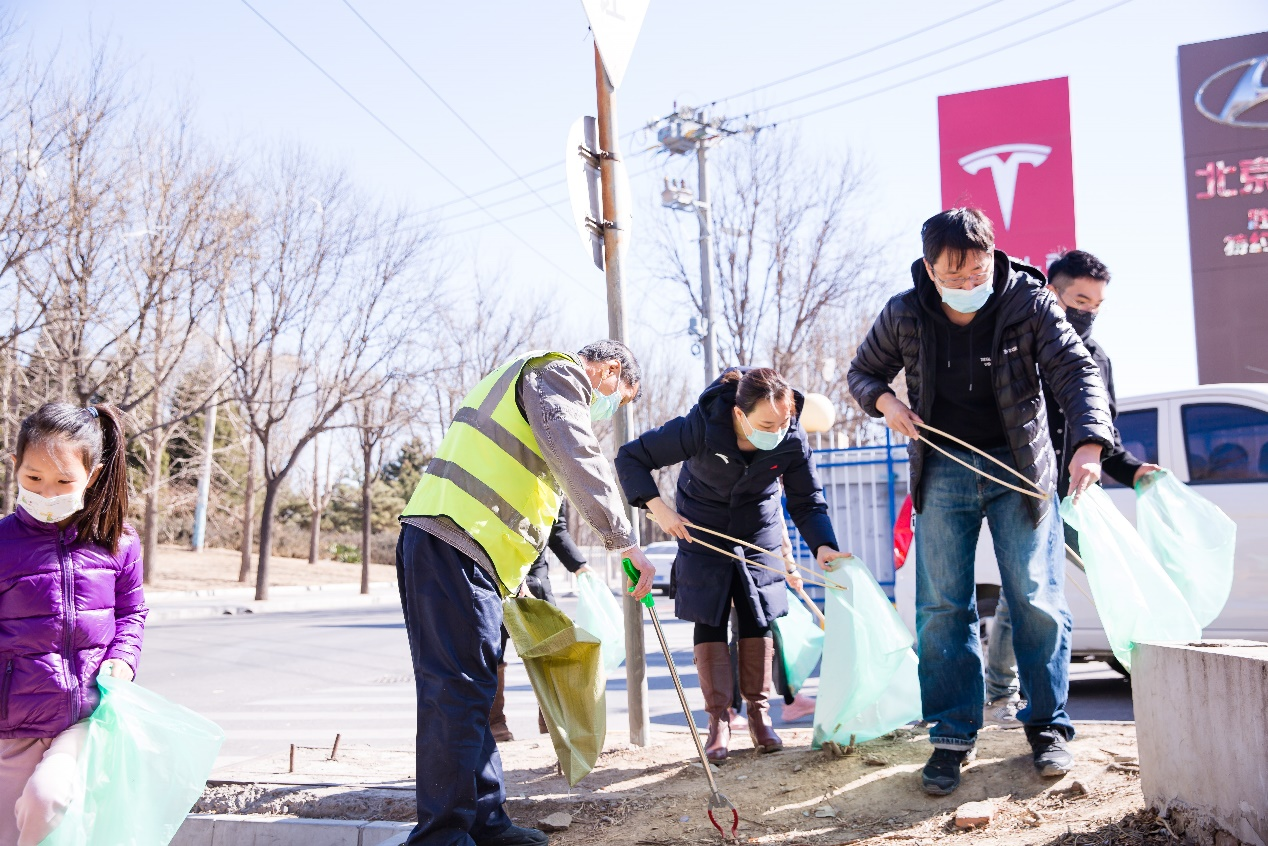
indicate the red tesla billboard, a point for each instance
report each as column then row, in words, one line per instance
column 1224, row 112
column 1007, row 151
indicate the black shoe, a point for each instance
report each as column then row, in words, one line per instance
column 941, row 774
column 516, row 836
column 1052, row 759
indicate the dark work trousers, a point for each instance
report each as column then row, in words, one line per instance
column 453, row 615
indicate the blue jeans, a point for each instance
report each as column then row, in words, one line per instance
column 1031, row 567
column 1001, row 661
column 453, row 617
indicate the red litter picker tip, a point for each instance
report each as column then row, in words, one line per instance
column 718, row 804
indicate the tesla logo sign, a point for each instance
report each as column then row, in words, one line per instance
column 1003, row 162
column 1007, row 152
column 1250, row 91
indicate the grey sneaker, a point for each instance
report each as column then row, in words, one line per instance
column 1003, row 711
column 1052, row 758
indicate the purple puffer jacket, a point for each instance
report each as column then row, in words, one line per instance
column 65, row 607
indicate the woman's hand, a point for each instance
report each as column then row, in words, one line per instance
column 669, row 520
column 795, row 581
column 830, row 559
column 116, row 669
column 898, row 416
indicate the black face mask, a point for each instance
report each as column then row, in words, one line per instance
column 1081, row 321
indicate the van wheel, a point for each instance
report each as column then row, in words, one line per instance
column 1118, row 667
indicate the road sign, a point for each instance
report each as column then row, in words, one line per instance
column 582, row 164
column 615, row 24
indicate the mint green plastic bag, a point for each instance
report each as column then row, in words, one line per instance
column 144, row 764
column 800, row 642
column 1191, row 538
column 868, row 685
column 599, row 613
column 1135, row 597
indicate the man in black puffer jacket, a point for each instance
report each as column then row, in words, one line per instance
column 975, row 335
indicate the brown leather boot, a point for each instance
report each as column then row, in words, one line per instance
column 497, row 714
column 756, row 655
column 713, row 668
column 542, row 728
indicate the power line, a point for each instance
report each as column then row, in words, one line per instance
column 952, row 66
column 943, row 49
column 859, row 54
column 550, row 207
column 411, row 147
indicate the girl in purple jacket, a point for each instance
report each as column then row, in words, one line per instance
column 71, row 606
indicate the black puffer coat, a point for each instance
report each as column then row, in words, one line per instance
column 732, row 492
column 1032, row 338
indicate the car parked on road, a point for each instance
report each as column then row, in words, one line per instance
column 1213, row 438
column 662, row 554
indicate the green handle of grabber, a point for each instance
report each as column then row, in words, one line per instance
column 632, row 572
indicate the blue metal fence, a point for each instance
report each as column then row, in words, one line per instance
column 864, row 486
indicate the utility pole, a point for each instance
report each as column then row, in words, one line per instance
column 609, row 152
column 198, row 538
column 689, row 130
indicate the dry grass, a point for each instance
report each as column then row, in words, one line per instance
column 179, row 569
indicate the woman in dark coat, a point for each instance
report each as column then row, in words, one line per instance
column 737, row 443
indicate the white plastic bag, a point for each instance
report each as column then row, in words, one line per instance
column 868, row 684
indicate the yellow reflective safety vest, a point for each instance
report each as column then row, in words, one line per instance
column 489, row 476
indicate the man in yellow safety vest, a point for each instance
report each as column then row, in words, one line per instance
column 481, row 514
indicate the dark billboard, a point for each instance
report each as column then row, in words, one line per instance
column 1224, row 112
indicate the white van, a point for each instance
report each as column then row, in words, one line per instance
column 1213, row 437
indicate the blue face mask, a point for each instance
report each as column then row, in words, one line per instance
column 603, row 406
column 967, row 302
column 764, row 441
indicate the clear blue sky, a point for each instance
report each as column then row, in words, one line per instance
column 520, row 73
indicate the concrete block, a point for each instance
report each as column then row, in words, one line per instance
column 195, row 831
column 385, row 833
column 1202, row 732
column 253, row 830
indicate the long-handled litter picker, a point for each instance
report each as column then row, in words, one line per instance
column 717, row 802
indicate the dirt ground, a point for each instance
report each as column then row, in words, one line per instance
column 656, row 795
column 179, row 569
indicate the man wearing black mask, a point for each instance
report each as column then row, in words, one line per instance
column 1079, row 281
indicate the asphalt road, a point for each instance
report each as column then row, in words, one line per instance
column 276, row 679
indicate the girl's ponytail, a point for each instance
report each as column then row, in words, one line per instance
column 106, row 500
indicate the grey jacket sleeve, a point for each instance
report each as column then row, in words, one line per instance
column 555, row 397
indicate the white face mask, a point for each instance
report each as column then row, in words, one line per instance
column 50, row 509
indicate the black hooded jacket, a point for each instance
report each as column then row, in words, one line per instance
column 1031, row 339
column 1117, row 462
column 730, row 491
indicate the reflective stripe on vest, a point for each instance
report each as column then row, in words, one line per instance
column 489, row 476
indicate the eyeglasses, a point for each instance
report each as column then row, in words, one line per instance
column 972, row 281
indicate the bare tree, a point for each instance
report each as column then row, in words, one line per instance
column 173, row 259
column 791, row 247
column 380, row 418
column 481, row 336
column 314, row 328
column 319, row 498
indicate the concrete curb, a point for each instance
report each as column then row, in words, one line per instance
column 189, row 605
column 254, row 830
